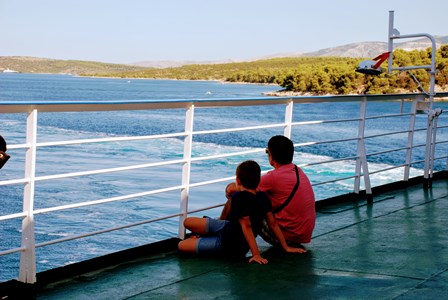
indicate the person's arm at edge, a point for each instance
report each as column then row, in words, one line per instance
column 279, row 234
column 250, row 238
column 266, row 181
column 226, row 210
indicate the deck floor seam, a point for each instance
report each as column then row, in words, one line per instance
column 173, row 283
column 421, row 283
column 379, row 275
column 377, row 217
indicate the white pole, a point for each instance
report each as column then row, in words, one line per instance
column 390, row 41
column 410, row 139
column 186, row 168
column 288, row 119
column 361, row 160
column 27, row 271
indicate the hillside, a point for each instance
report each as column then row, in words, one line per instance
column 371, row 49
column 44, row 65
column 355, row 50
column 259, row 71
column 53, row 66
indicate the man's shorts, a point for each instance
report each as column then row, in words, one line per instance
column 267, row 235
column 212, row 242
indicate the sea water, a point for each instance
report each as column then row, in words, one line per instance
column 67, row 126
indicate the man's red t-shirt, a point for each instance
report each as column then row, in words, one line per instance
column 298, row 218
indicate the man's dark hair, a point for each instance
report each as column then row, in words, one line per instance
column 249, row 172
column 2, row 144
column 281, row 149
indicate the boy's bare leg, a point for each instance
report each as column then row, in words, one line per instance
column 196, row 225
column 188, row 245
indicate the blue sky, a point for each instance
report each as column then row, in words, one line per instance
column 202, row 30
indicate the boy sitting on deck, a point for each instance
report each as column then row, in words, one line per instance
column 236, row 236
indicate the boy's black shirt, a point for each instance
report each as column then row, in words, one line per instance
column 245, row 204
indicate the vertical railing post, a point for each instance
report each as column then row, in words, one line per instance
column 428, row 151
column 288, row 119
column 437, row 113
column 27, row 270
column 410, row 144
column 361, row 159
column 186, row 168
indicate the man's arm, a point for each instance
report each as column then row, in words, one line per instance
column 272, row 223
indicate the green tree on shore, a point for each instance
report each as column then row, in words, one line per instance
column 313, row 75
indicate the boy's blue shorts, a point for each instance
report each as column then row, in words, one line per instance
column 212, row 243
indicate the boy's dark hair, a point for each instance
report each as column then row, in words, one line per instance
column 281, row 149
column 249, row 172
column 2, row 144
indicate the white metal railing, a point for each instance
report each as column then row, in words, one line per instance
column 361, row 171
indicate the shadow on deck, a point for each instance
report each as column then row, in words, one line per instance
column 395, row 248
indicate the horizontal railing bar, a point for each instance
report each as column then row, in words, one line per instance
column 107, row 200
column 105, row 230
column 10, row 251
column 418, row 145
column 329, row 161
column 387, row 133
column 14, row 181
column 13, row 216
column 388, row 116
column 111, row 139
column 109, row 170
column 325, row 142
column 441, row 157
column 205, row 208
column 19, row 146
column 271, row 126
column 305, row 144
column 301, row 123
column 387, row 169
column 113, row 105
column 227, row 179
column 386, row 151
column 238, row 129
column 417, row 162
column 419, row 129
column 334, row 180
column 98, row 140
column 195, row 159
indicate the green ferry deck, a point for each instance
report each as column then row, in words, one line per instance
column 393, row 248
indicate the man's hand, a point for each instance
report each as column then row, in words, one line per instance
column 258, row 259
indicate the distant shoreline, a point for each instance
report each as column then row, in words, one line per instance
column 283, row 93
column 278, row 93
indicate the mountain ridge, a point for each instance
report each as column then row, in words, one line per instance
column 355, row 50
column 29, row 64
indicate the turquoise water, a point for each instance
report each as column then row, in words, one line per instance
column 66, row 126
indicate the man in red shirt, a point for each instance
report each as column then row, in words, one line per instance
column 294, row 207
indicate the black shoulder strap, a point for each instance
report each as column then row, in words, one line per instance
column 278, row 209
